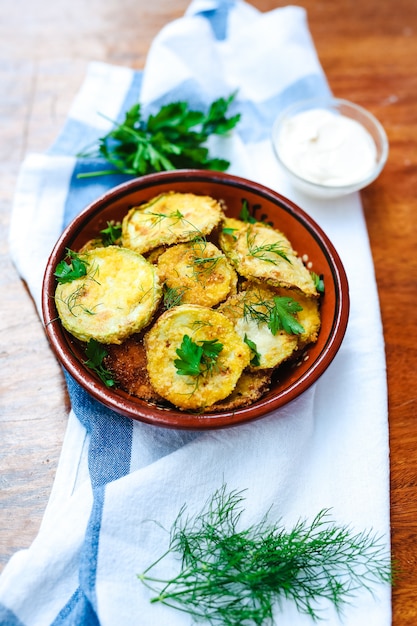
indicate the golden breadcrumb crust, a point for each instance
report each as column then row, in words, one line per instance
column 260, row 252
column 116, row 298
column 201, row 324
column 198, row 271
column 170, row 218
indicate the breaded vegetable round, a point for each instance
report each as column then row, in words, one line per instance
column 249, row 388
column 198, row 272
column 308, row 316
column 250, row 311
column 186, row 335
column 260, row 252
column 168, row 219
column 116, row 297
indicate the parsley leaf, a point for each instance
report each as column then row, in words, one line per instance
column 96, row 353
column 111, row 235
column 197, row 359
column 67, row 272
column 173, row 138
column 277, row 314
column 282, row 316
column 256, row 356
column 245, row 215
column 318, row 281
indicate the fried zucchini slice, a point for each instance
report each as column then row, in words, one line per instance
column 249, row 311
column 168, row 219
column 201, row 324
column 309, row 316
column 249, row 388
column 261, row 252
column 116, row 298
column 198, row 271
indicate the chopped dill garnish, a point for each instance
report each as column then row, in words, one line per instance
column 175, row 216
column 265, row 251
column 202, row 263
column 173, row 296
column 230, row 576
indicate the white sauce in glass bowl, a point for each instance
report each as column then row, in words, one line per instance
column 327, row 148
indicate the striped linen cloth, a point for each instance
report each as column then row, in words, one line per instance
column 328, row 449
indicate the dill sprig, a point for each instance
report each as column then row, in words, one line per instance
column 173, row 296
column 266, row 251
column 200, row 263
column 235, row 577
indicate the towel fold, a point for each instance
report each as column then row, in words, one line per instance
column 327, row 449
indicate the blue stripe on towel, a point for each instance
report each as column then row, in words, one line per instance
column 76, row 136
column 218, row 18
column 89, row 558
column 111, row 436
column 8, row 618
column 257, row 118
column 77, row 611
column 109, row 458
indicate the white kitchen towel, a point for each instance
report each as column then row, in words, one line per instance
column 121, row 482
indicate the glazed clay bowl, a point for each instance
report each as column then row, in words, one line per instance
column 307, row 239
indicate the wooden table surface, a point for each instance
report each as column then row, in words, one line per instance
column 368, row 50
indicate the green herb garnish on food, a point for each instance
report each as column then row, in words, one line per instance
column 255, row 355
column 66, row 272
column 230, row 232
column 318, row 281
column 266, row 251
column 110, row 236
column 172, row 296
column 277, row 314
column 95, row 353
column 196, row 359
column 245, row 214
column 173, row 138
column 282, row 316
column 234, row 576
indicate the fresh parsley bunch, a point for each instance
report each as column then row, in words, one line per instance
column 173, row 138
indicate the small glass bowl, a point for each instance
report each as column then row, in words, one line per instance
column 349, row 110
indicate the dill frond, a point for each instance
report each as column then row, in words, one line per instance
column 239, row 577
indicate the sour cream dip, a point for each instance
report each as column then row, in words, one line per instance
column 326, row 148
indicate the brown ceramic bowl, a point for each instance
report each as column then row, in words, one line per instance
column 305, row 235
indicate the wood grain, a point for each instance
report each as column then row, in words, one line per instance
column 368, row 51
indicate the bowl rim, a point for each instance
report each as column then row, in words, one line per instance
column 331, row 101
column 157, row 415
